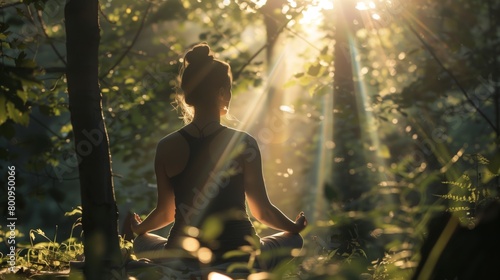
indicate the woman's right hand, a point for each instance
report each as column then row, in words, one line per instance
column 300, row 222
column 135, row 222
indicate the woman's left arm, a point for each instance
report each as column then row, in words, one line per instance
column 164, row 212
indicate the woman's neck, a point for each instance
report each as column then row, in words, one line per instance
column 203, row 117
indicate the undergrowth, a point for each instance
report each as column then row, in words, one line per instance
column 345, row 251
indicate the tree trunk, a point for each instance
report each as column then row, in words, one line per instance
column 347, row 134
column 495, row 63
column 100, row 214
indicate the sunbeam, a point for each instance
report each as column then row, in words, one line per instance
column 321, row 167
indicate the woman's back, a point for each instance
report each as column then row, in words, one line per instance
column 209, row 190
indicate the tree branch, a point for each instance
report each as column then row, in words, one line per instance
column 134, row 40
column 61, row 70
column 222, row 34
column 46, row 127
column 238, row 73
column 452, row 76
column 10, row 5
column 278, row 32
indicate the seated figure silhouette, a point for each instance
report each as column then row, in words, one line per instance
column 206, row 174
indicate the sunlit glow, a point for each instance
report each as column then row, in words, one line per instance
column 312, row 15
column 365, row 5
column 217, row 276
column 296, row 252
column 259, row 276
column 258, row 3
column 287, row 109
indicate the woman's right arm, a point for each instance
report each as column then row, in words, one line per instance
column 258, row 201
column 164, row 212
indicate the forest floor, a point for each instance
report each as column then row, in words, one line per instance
column 133, row 270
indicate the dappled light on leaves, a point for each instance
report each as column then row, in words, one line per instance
column 190, row 244
column 205, row 255
column 193, row 231
column 259, row 276
column 218, row 276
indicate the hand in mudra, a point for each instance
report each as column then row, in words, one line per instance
column 301, row 221
column 135, row 221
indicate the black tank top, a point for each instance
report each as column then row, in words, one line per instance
column 209, row 193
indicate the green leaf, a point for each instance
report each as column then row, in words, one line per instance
column 235, row 266
column 384, row 151
column 212, row 228
column 16, row 115
column 299, row 75
column 234, row 253
column 73, row 212
column 314, row 70
column 23, row 95
column 129, row 81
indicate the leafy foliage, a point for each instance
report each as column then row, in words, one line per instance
column 48, row 254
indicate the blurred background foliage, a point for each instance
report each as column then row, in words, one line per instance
column 426, row 84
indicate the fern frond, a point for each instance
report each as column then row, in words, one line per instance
column 462, row 185
column 481, row 159
column 457, row 209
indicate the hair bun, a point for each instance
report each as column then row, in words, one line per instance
column 199, row 54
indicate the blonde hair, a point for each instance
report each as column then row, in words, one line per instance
column 187, row 112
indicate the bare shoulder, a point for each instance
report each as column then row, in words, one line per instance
column 244, row 143
column 171, row 142
column 240, row 135
column 172, row 151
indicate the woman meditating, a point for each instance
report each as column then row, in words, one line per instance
column 205, row 172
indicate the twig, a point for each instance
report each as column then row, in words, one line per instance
column 105, row 16
column 134, row 40
column 42, row 26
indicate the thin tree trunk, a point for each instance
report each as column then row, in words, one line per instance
column 100, row 214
